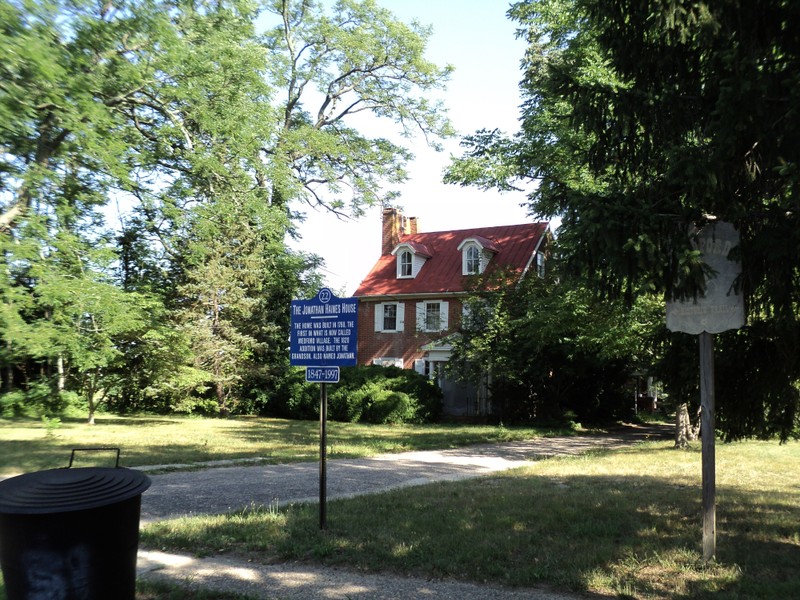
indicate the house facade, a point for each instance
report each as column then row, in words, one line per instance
column 411, row 302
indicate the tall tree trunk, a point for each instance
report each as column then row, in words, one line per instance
column 220, row 388
column 91, row 403
column 61, row 383
column 8, row 384
column 47, row 146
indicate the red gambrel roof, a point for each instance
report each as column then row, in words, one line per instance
column 441, row 273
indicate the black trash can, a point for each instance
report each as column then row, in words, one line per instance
column 71, row 534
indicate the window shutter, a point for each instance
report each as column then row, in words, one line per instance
column 379, row 317
column 419, row 366
column 401, row 316
column 466, row 315
column 444, row 315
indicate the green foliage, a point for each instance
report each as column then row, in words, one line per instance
column 758, row 402
column 200, row 124
column 641, row 119
column 39, row 401
column 358, row 58
column 371, row 394
column 554, row 351
column 376, row 394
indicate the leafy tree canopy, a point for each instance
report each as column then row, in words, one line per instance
column 332, row 70
column 643, row 118
column 210, row 119
column 553, row 348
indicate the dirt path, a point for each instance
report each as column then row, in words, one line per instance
column 221, row 490
column 226, row 489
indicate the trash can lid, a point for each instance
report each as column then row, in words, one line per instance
column 67, row 490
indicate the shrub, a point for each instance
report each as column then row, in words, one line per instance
column 371, row 394
column 376, row 394
column 391, row 407
column 38, row 400
column 291, row 398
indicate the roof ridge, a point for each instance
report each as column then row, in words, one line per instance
column 483, row 227
column 442, row 272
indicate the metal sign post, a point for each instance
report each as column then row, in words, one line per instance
column 720, row 309
column 323, row 467
column 324, row 334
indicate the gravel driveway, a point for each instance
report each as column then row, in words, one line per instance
column 226, row 489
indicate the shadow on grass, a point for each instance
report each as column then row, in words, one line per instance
column 636, row 536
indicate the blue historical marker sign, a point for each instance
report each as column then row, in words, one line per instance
column 324, row 331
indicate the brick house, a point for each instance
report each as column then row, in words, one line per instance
column 410, row 303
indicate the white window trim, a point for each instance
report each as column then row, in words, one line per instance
column 465, row 260
column 417, row 260
column 484, row 256
column 422, row 309
column 400, row 323
column 400, row 256
column 387, row 361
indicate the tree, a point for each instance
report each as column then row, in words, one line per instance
column 184, row 111
column 334, row 72
column 164, row 103
column 641, row 119
column 225, row 235
column 554, row 350
column 234, row 295
column 63, row 318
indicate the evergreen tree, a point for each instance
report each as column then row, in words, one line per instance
column 641, row 119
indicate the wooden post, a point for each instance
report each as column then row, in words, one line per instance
column 707, row 427
column 323, row 448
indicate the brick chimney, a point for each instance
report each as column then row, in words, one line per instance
column 395, row 228
column 392, row 229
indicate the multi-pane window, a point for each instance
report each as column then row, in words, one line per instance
column 433, row 316
column 472, row 261
column 540, row 264
column 390, row 317
column 406, row 265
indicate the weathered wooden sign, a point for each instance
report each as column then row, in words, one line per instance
column 721, row 308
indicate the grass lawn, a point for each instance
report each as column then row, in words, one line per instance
column 29, row 445
column 626, row 523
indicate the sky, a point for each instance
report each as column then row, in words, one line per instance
column 476, row 37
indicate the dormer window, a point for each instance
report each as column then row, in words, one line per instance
column 476, row 252
column 472, row 260
column 410, row 256
column 405, row 264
